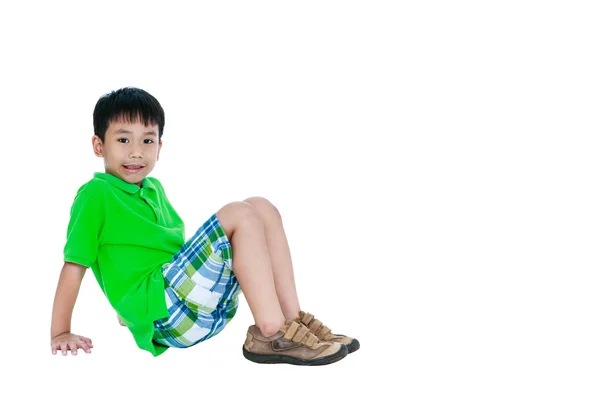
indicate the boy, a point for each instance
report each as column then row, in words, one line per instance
column 168, row 292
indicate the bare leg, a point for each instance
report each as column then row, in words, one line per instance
column 245, row 230
column 281, row 259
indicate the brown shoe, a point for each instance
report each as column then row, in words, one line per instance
column 293, row 344
column 324, row 333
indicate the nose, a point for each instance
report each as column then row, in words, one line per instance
column 136, row 151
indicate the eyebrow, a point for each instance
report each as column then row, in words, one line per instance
column 152, row 133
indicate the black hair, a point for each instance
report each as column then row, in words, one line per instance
column 128, row 104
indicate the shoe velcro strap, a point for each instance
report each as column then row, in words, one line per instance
column 307, row 318
column 325, row 333
column 316, row 327
column 300, row 334
column 316, row 324
column 291, row 330
column 311, row 341
column 319, row 329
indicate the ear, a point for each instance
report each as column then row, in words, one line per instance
column 159, row 147
column 98, row 146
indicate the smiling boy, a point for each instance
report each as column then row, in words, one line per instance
column 169, row 292
column 128, row 162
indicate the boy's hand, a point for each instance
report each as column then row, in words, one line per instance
column 69, row 341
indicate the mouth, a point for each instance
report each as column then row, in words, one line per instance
column 133, row 168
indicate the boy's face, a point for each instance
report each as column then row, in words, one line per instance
column 130, row 150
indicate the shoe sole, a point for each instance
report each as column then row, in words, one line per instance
column 283, row 359
column 353, row 346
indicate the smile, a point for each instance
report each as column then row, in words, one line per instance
column 133, row 168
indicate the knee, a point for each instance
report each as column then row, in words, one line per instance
column 264, row 206
column 236, row 213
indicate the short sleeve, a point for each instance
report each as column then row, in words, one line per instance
column 84, row 229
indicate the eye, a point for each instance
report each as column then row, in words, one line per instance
column 148, row 141
column 122, row 140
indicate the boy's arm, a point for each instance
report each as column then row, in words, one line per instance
column 67, row 290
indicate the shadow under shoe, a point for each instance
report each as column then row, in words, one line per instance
column 293, row 344
column 323, row 333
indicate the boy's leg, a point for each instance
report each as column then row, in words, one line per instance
column 252, row 264
column 281, row 259
column 272, row 339
column 284, row 275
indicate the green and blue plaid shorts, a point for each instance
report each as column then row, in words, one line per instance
column 200, row 288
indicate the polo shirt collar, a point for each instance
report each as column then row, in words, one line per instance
column 121, row 184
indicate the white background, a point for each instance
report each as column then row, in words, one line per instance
column 435, row 163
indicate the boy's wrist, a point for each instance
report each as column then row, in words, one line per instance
column 55, row 333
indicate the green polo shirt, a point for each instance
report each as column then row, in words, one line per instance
column 125, row 234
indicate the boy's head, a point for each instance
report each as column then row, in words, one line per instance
column 128, row 105
column 128, row 128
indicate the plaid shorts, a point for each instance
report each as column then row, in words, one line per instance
column 200, row 288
